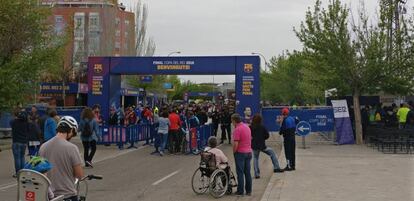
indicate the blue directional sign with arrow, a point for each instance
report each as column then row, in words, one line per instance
column 303, row 128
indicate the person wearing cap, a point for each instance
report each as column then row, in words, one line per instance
column 65, row 157
column 20, row 131
column 288, row 129
column 242, row 150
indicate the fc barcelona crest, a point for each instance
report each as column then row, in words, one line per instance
column 248, row 68
column 98, row 68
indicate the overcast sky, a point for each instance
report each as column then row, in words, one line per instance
column 227, row 27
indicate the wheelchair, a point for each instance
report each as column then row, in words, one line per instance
column 218, row 181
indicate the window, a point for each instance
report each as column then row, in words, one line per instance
column 58, row 19
column 126, row 22
column 59, row 24
column 79, row 26
column 117, row 21
column 126, row 34
column 117, row 46
column 117, row 33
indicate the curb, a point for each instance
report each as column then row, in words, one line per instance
column 274, row 188
column 5, row 147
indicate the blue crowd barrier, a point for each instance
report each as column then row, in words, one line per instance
column 203, row 133
column 121, row 135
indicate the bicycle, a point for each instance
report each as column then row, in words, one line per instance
column 83, row 193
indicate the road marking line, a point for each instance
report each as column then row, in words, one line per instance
column 8, row 186
column 120, row 154
column 165, row 178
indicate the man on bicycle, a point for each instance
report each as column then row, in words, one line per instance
column 65, row 158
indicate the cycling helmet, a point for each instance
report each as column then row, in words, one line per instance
column 69, row 121
column 38, row 164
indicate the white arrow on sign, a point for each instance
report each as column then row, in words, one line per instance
column 303, row 129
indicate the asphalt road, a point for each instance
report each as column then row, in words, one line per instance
column 132, row 175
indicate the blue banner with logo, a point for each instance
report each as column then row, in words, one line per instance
column 245, row 68
column 320, row 120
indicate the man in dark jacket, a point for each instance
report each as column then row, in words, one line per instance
column 215, row 117
column 202, row 117
column 225, row 121
column 288, row 130
column 365, row 121
column 19, row 138
column 34, row 138
column 259, row 136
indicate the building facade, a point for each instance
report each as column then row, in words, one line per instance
column 94, row 28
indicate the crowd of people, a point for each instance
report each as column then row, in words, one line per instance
column 175, row 128
column 401, row 117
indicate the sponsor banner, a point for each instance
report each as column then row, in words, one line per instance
column 344, row 132
column 50, row 88
column 130, row 92
column 340, row 108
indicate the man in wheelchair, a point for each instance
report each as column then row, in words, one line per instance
column 216, row 159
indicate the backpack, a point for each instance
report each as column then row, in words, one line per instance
column 87, row 131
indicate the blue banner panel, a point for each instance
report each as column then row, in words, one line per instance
column 320, row 120
column 247, row 87
column 344, row 131
column 99, row 84
column 173, row 65
column 208, row 94
column 48, row 88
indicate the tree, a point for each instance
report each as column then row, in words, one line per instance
column 351, row 57
column 28, row 49
column 144, row 47
column 289, row 80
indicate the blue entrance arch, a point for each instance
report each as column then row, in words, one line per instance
column 104, row 76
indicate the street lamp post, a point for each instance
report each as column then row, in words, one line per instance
column 264, row 58
column 176, row 52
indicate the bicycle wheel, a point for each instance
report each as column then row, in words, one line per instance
column 199, row 182
column 218, row 183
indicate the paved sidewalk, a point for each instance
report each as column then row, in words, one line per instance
column 344, row 173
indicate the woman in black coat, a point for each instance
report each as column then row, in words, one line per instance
column 259, row 135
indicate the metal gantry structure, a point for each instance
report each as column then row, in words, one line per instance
column 395, row 10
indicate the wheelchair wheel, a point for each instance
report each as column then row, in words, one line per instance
column 218, row 183
column 199, row 182
column 232, row 180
